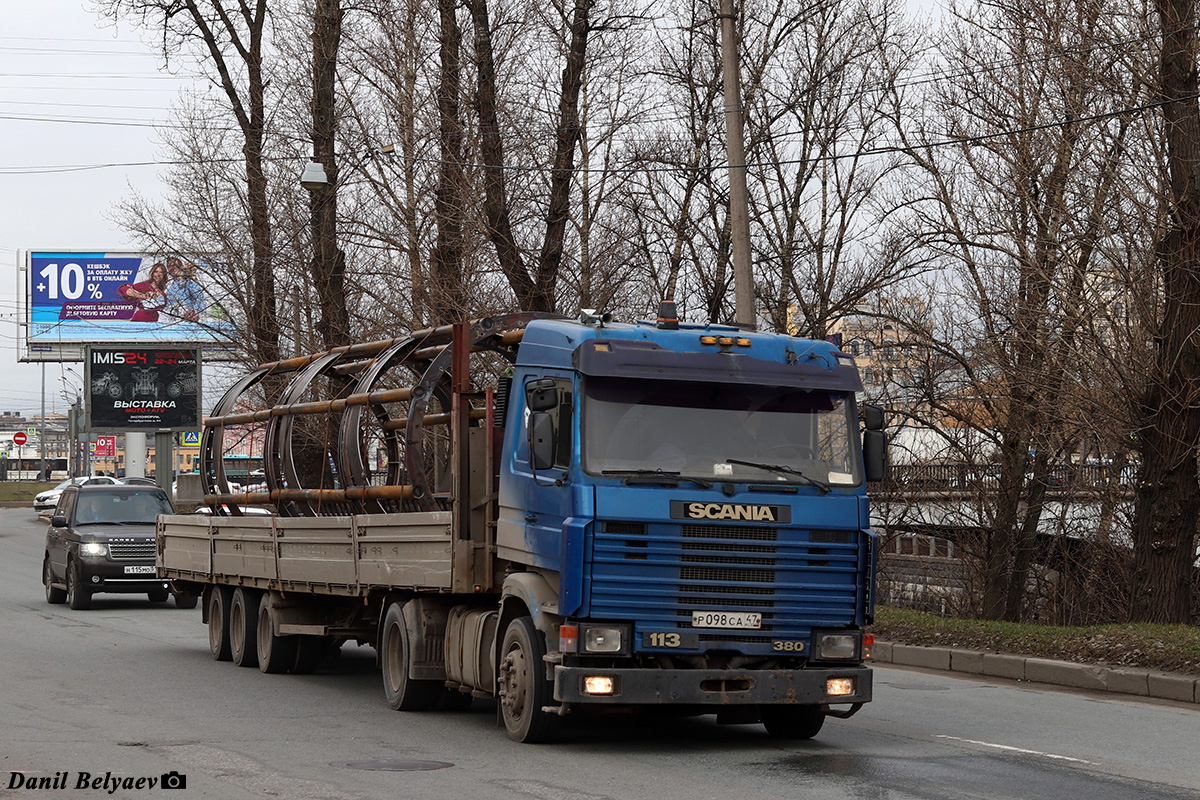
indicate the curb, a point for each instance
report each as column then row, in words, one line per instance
column 1118, row 680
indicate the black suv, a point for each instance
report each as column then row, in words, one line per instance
column 101, row 539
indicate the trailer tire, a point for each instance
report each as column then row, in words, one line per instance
column 793, row 722
column 276, row 654
column 243, row 628
column 219, row 600
column 524, row 690
column 403, row 693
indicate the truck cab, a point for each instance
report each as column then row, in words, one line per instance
column 686, row 512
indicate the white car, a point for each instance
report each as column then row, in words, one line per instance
column 48, row 499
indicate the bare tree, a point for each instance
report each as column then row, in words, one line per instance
column 1168, row 508
column 228, row 37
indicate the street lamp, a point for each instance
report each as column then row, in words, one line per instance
column 314, row 177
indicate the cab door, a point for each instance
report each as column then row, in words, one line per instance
column 535, row 499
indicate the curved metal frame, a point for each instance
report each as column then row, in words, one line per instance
column 427, row 354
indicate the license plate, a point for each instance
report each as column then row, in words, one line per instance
column 146, row 570
column 726, row 619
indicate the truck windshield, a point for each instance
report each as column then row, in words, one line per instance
column 710, row 431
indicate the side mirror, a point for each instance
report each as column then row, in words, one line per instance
column 543, row 395
column 541, row 440
column 58, row 521
column 874, row 446
column 873, row 418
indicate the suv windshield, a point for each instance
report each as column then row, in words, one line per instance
column 711, row 431
column 125, row 508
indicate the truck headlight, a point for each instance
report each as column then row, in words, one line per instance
column 93, row 549
column 841, row 646
column 604, row 639
column 601, row 640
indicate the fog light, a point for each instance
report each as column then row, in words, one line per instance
column 599, row 684
column 839, row 687
column 602, row 640
column 95, row 579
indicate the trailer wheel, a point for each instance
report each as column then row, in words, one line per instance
column 275, row 653
column 219, row 599
column 403, row 693
column 793, row 722
column 524, row 690
column 243, row 630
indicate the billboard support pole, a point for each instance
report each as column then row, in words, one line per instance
column 135, row 454
column 42, row 427
column 164, row 458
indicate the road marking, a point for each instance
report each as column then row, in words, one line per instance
column 1021, row 750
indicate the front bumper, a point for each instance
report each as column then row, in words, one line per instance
column 713, row 687
column 102, row 575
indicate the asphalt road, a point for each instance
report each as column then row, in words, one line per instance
column 128, row 690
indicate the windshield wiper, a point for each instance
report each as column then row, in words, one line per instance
column 666, row 475
column 822, row 485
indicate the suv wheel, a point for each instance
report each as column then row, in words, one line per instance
column 54, row 595
column 79, row 598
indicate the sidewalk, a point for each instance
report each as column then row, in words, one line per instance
column 1120, row 680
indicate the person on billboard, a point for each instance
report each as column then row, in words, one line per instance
column 184, row 296
column 149, row 295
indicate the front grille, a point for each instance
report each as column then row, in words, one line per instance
column 132, row 550
column 659, row 573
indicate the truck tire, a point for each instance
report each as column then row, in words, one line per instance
column 793, row 722
column 219, row 600
column 276, row 654
column 243, row 627
column 54, row 595
column 524, row 690
column 79, row 597
column 402, row 692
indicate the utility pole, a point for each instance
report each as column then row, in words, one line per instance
column 735, row 153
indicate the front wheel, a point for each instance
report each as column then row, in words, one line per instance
column 793, row 722
column 54, row 595
column 79, row 597
column 524, row 690
column 158, row 595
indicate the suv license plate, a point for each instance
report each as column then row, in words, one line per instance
column 726, row 619
column 147, row 570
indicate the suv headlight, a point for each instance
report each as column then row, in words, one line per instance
column 837, row 645
column 93, row 549
column 604, row 639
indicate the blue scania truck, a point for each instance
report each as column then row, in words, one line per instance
column 567, row 516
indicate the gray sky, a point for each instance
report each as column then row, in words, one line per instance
column 73, row 93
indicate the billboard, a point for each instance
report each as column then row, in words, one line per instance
column 74, row 298
column 137, row 388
